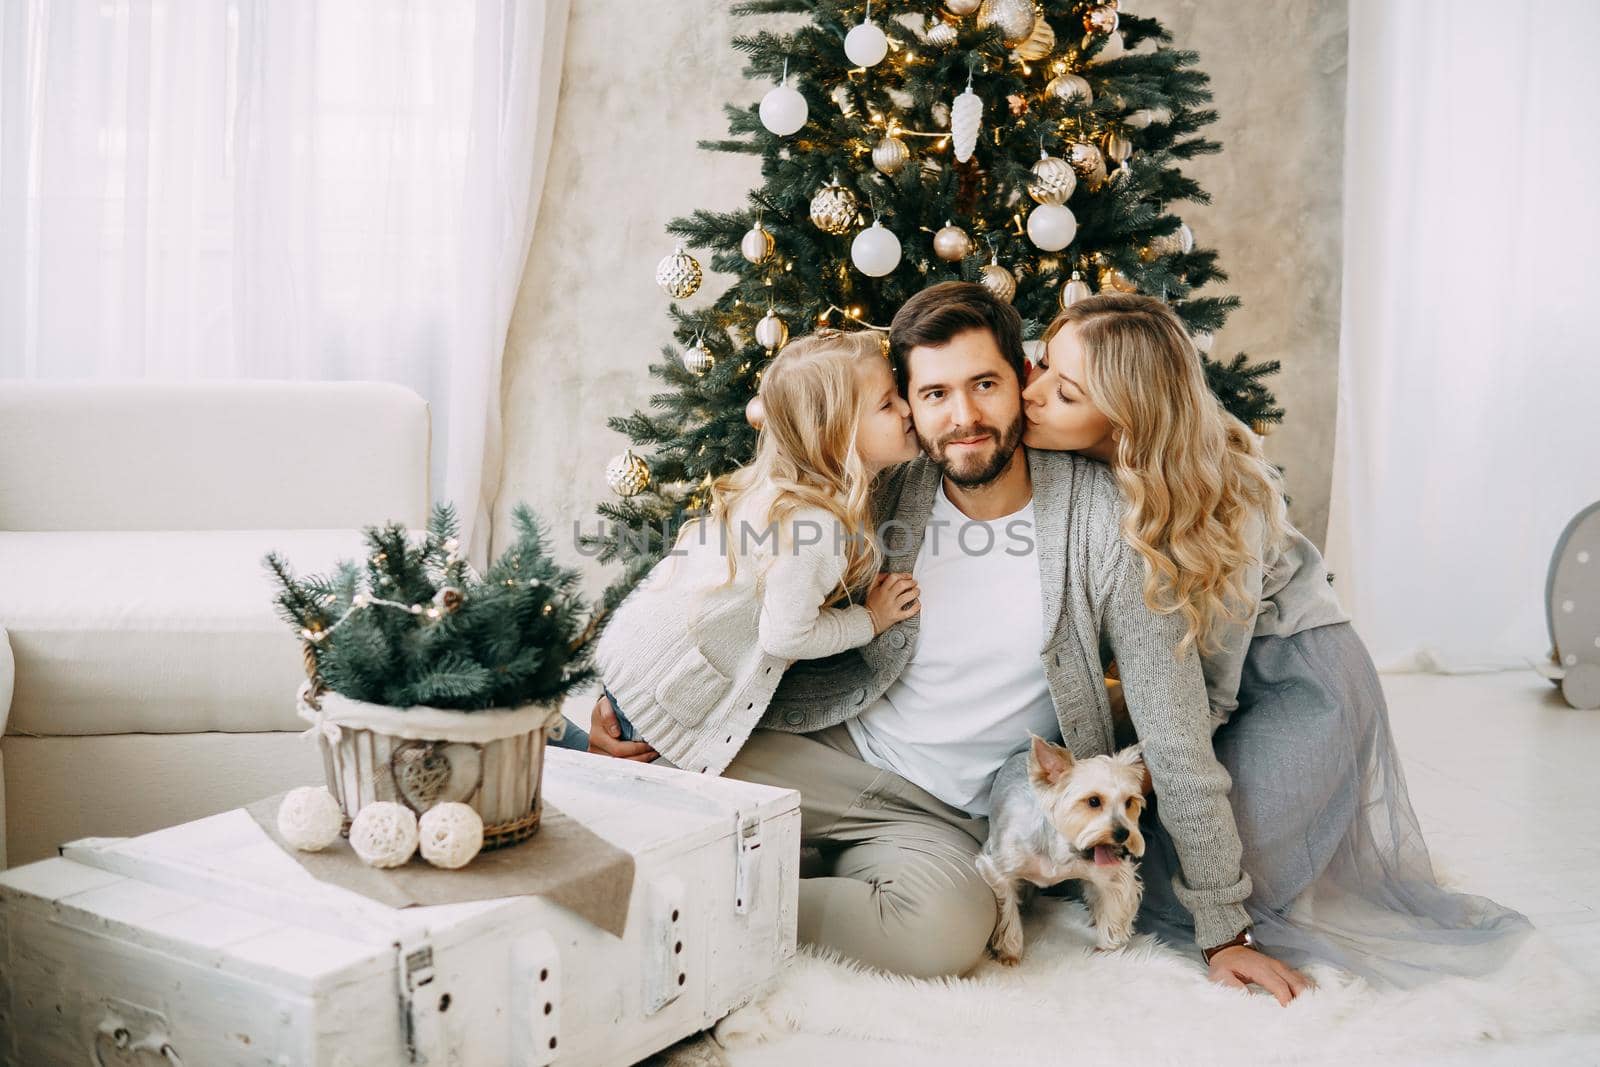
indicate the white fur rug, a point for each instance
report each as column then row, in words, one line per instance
column 1147, row 1004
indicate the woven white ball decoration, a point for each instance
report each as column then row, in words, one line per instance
column 451, row 834
column 309, row 818
column 384, row 834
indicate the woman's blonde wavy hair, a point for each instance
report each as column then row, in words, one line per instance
column 806, row 448
column 1198, row 489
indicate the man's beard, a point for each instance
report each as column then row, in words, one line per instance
column 974, row 470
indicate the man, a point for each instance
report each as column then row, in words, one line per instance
column 1023, row 581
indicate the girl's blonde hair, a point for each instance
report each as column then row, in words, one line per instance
column 806, row 449
column 1197, row 487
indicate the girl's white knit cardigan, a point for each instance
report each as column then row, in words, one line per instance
column 692, row 662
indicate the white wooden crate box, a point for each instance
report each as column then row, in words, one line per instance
column 204, row 944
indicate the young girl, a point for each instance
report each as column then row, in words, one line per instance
column 1335, row 854
column 691, row 657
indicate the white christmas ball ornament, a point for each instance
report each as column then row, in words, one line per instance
column 384, row 834
column 309, row 818
column 875, row 251
column 1052, row 226
column 783, row 110
column 450, row 835
column 866, row 45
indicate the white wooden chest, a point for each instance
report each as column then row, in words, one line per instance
column 205, row 944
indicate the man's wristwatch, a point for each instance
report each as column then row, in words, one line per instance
column 1243, row 937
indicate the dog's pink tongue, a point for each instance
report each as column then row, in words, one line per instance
column 1103, row 856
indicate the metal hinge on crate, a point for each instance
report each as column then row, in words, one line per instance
column 747, row 840
column 419, row 1003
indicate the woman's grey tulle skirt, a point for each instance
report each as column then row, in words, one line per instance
column 1340, row 871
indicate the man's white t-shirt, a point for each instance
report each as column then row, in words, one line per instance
column 975, row 685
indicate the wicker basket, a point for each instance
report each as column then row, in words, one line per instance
column 492, row 760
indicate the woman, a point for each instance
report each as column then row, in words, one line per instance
column 1339, row 870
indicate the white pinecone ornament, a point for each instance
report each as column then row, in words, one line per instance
column 966, row 117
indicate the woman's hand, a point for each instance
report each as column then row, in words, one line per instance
column 1240, row 965
column 893, row 598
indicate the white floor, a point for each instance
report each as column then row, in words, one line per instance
column 1506, row 780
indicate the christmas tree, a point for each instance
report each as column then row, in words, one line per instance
column 415, row 624
column 1034, row 148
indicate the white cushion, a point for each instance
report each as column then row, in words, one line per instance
column 155, row 632
column 234, row 455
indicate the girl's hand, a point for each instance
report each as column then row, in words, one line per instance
column 1240, row 965
column 893, row 598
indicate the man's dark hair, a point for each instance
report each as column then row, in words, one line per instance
column 939, row 312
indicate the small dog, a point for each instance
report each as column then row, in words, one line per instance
column 1054, row 818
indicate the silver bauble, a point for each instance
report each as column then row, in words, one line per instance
column 1118, row 147
column 889, row 155
column 943, row 35
column 627, row 474
column 1070, row 88
column 1040, row 43
column 772, row 333
column 962, row 7
column 755, row 412
column 834, row 209
column 1053, row 180
column 951, row 243
column 1101, row 19
column 756, row 245
column 697, row 359
column 1013, row 18
column 999, row 281
column 1075, row 290
column 678, row 274
column 1087, row 161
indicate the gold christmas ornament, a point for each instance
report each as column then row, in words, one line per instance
column 1101, row 19
column 755, row 412
column 834, row 210
column 756, row 245
column 1087, row 161
column 772, row 333
column 951, row 243
column 1040, row 43
column 962, row 7
column 1053, row 180
column 1260, row 427
column 627, row 474
column 999, row 281
column 1070, row 88
column 1118, row 147
column 678, row 274
column 890, row 155
column 1075, row 290
column 697, row 359
column 1113, row 279
column 942, row 35
column 1013, row 18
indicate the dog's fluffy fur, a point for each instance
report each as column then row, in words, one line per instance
column 1054, row 818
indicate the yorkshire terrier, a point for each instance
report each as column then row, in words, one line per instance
column 1054, row 818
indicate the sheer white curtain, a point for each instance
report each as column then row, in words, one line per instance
column 1469, row 404
column 278, row 189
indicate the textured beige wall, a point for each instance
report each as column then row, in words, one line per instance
column 638, row 92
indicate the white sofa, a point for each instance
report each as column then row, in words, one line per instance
column 145, row 678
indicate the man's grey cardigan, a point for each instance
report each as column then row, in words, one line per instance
column 1092, row 591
